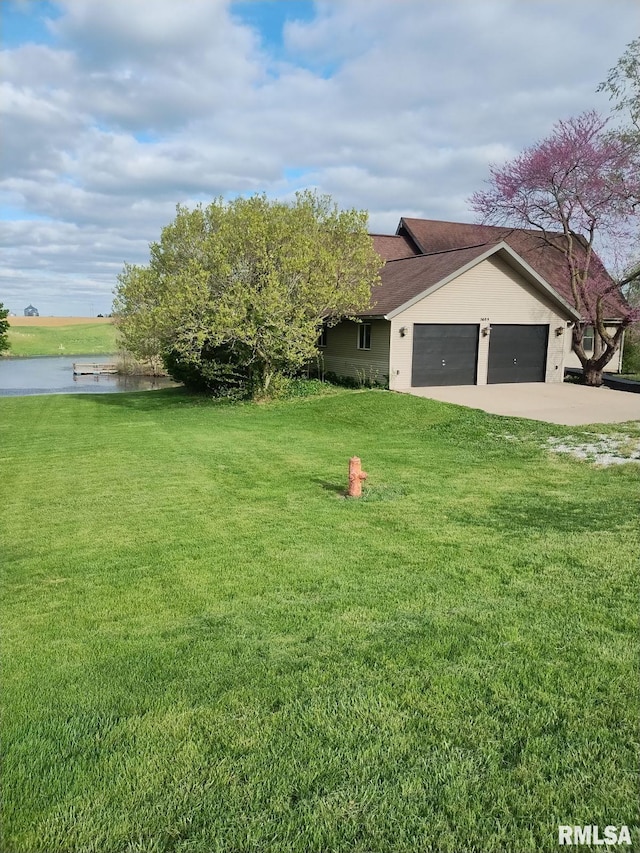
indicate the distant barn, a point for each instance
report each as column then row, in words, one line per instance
column 30, row 311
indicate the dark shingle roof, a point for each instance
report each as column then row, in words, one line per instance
column 431, row 235
column 391, row 247
column 402, row 280
column 424, row 252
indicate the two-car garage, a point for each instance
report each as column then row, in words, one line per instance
column 467, row 316
column 448, row 354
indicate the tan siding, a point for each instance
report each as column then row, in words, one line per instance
column 572, row 360
column 342, row 356
column 491, row 292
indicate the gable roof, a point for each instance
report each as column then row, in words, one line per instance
column 546, row 259
column 407, row 280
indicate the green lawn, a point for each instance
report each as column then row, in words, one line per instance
column 207, row 648
column 76, row 339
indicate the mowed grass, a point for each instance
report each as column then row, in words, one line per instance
column 208, row 648
column 42, row 337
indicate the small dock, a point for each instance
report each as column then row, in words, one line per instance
column 93, row 368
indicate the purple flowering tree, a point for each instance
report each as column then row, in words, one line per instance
column 580, row 188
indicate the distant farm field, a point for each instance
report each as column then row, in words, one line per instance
column 41, row 336
column 206, row 647
column 58, row 321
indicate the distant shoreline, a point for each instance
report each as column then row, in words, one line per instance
column 9, row 356
column 56, row 321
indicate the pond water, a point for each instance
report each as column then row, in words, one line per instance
column 20, row 377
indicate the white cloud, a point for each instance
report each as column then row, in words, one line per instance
column 394, row 106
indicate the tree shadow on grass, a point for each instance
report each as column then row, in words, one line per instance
column 157, row 400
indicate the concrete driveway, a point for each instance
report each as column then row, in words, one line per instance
column 554, row 402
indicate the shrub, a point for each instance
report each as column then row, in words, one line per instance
column 631, row 353
column 292, row 387
column 364, row 378
column 215, row 372
column 343, row 381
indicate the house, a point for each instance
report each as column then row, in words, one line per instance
column 460, row 304
column 30, row 311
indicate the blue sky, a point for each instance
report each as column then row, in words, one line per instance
column 26, row 22
column 269, row 18
column 116, row 111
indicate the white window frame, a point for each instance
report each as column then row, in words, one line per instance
column 322, row 337
column 589, row 335
column 363, row 335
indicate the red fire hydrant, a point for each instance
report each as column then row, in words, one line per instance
column 356, row 476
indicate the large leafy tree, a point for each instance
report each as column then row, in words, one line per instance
column 235, row 292
column 140, row 318
column 623, row 87
column 580, row 189
column 4, row 328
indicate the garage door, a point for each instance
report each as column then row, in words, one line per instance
column 444, row 354
column 517, row 354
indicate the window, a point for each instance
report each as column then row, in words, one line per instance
column 322, row 339
column 587, row 341
column 364, row 336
